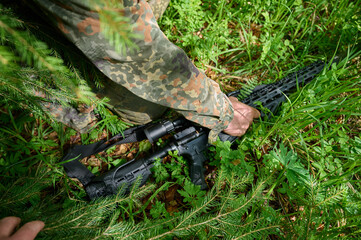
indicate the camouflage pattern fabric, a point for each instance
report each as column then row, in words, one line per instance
column 157, row 76
column 158, row 7
column 81, row 119
column 127, row 105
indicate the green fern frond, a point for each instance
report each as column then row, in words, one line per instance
column 246, row 89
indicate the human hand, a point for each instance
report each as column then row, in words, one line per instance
column 242, row 118
column 26, row 232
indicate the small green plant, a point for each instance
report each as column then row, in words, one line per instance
column 176, row 169
column 231, row 160
column 192, row 194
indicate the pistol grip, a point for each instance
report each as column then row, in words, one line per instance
column 196, row 170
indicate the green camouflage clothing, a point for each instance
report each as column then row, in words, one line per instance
column 158, row 7
column 81, row 119
column 145, row 82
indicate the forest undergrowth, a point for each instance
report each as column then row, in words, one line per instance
column 295, row 175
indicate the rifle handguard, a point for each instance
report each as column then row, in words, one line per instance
column 272, row 95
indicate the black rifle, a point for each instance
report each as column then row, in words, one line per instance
column 190, row 140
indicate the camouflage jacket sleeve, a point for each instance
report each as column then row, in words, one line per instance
column 158, row 71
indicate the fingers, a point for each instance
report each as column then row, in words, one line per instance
column 256, row 113
column 237, row 105
column 8, row 225
column 28, row 231
column 242, row 118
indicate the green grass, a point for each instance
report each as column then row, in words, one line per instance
column 293, row 176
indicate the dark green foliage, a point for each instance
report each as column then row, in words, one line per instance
column 28, row 66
